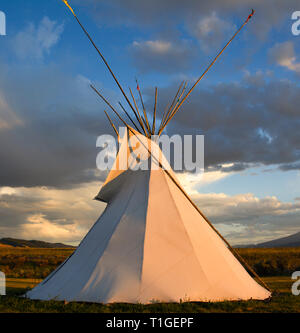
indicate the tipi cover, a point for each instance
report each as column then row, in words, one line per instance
column 150, row 244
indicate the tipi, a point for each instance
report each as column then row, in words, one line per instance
column 151, row 243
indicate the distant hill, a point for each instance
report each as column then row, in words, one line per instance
column 4, row 245
column 289, row 241
column 31, row 243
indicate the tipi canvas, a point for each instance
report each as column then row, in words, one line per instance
column 150, row 244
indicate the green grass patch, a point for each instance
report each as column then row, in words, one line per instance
column 282, row 301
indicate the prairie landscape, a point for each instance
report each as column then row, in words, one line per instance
column 25, row 267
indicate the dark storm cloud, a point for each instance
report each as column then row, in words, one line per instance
column 50, row 136
column 290, row 166
column 251, row 122
column 233, row 168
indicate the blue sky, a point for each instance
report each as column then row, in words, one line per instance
column 247, row 107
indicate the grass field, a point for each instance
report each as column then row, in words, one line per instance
column 18, row 262
column 31, row 262
column 38, row 263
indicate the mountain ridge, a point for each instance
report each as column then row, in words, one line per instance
column 14, row 242
column 288, row 241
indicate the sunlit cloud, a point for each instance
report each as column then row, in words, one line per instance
column 284, row 55
column 162, row 55
column 49, row 214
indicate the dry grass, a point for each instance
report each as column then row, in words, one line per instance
column 19, row 262
column 38, row 263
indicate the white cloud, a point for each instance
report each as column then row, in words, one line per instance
column 37, row 226
column 36, row 41
column 245, row 218
column 66, row 215
column 192, row 182
column 49, row 214
column 155, row 46
column 7, row 191
column 210, row 30
column 243, row 207
column 283, row 54
column 162, row 55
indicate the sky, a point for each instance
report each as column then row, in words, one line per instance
column 247, row 108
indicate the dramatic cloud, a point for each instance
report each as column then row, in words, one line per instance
column 49, row 214
column 49, row 129
column 161, row 55
column 254, row 121
column 175, row 55
column 290, row 166
column 283, row 54
column 174, row 12
column 59, row 215
column 36, row 41
column 244, row 218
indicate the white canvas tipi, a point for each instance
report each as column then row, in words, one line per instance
column 149, row 244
